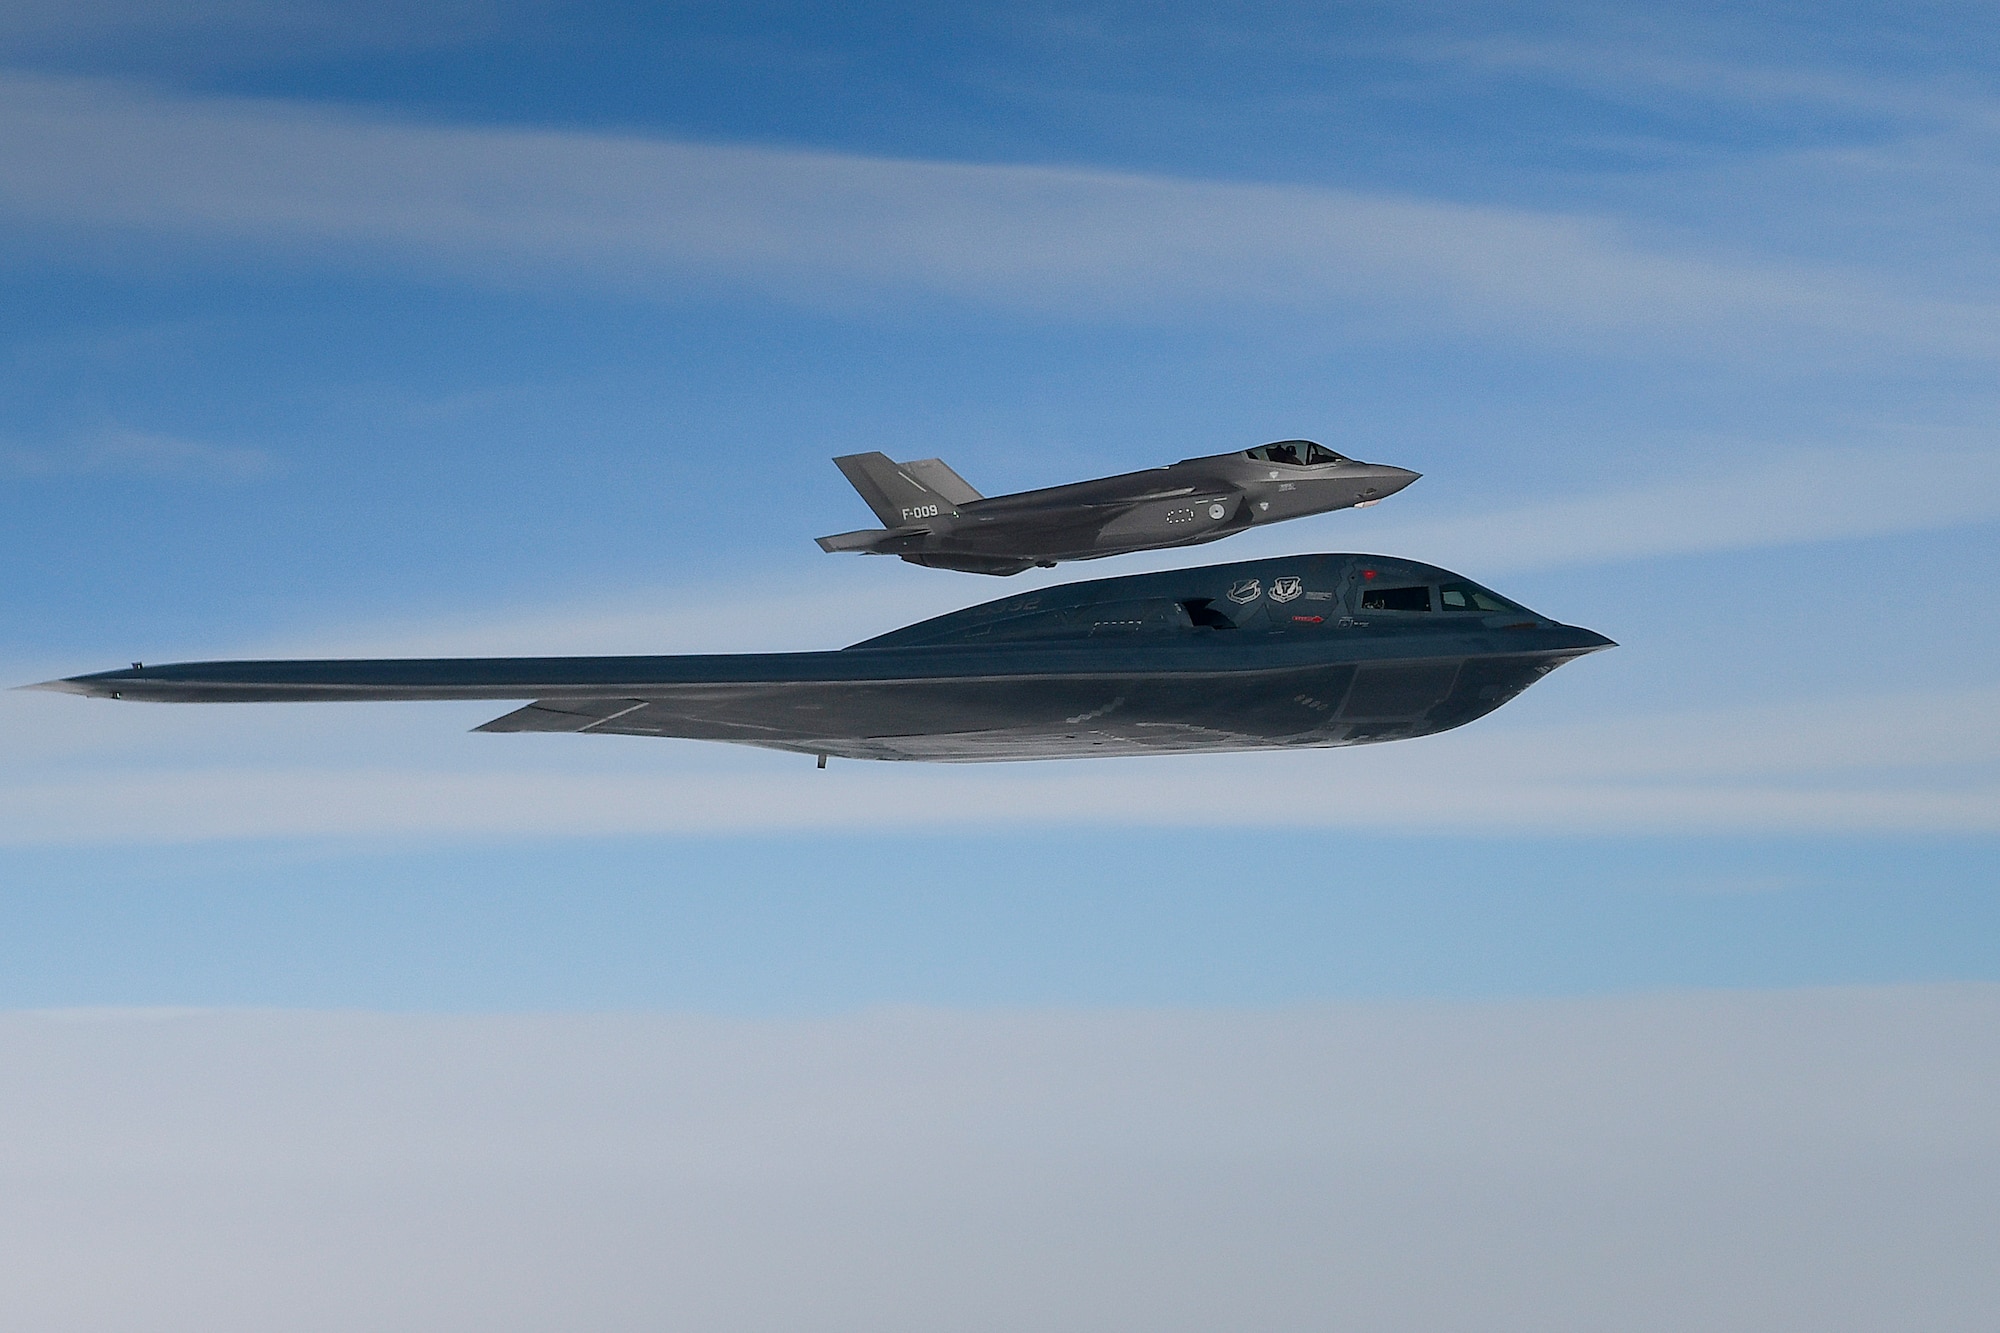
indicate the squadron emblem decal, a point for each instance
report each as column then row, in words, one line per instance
column 1245, row 590
column 1286, row 589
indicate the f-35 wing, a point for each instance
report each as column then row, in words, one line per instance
column 1115, row 502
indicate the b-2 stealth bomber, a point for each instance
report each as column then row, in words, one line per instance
column 934, row 518
column 1312, row 650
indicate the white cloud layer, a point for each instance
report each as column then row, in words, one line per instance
column 518, row 206
column 1823, row 1160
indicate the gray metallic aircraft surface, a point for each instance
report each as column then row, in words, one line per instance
column 1311, row 650
column 935, row 519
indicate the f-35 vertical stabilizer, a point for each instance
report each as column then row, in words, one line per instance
column 905, row 493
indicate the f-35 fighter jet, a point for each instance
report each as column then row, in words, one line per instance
column 935, row 519
column 1307, row 650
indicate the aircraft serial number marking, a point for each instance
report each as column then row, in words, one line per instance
column 921, row 511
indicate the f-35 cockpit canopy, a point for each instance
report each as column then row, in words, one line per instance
column 1298, row 453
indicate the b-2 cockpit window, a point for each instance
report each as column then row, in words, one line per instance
column 1298, row 453
column 1396, row 599
column 1472, row 597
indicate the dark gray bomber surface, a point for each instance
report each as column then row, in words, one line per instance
column 1310, row 650
column 934, row 518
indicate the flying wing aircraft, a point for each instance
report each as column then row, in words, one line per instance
column 1312, row 650
column 934, row 518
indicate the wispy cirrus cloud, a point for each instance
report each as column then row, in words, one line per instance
column 224, row 32
column 514, row 206
column 120, row 451
column 1758, row 498
column 1695, row 69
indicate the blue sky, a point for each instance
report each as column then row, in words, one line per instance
column 531, row 328
column 1663, row 998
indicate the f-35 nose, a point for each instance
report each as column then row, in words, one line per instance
column 1381, row 480
column 1395, row 478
